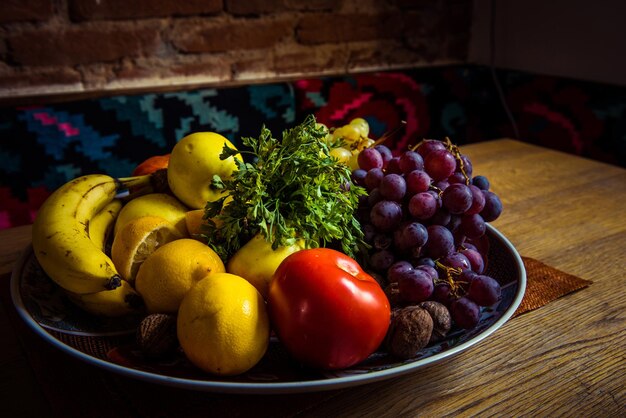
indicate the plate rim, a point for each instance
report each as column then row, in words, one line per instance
column 332, row 383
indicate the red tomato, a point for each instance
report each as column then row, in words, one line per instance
column 326, row 310
column 152, row 164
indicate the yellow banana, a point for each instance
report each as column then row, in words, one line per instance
column 101, row 225
column 120, row 301
column 61, row 240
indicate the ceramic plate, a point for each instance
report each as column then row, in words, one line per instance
column 109, row 343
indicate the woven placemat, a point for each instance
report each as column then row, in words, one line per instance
column 545, row 284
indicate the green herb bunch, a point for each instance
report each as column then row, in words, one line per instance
column 287, row 190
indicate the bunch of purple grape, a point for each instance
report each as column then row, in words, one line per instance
column 423, row 217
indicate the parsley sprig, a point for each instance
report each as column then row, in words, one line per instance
column 287, row 190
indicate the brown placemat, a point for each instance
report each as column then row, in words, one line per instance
column 545, row 284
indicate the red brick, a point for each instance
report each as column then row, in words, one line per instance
column 81, row 10
column 214, row 67
column 23, row 10
column 381, row 54
column 256, row 7
column 82, row 45
column 315, row 60
column 330, row 28
column 200, row 36
column 45, row 77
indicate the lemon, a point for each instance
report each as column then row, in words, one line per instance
column 223, row 325
column 168, row 273
column 137, row 240
column 194, row 161
column 257, row 261
column 154, row 204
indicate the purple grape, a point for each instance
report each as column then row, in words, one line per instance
column 456, row 177
column 493, row 207
column 422, row 206
column 431, row 271
column 465, row 313
column 436, row 196
column 374, row 197
column 443, row 294
column 442, row 184
column 393, row 187
column 457, row 198
column 382, row 241
column 381, row 260
column 393, row 166
column 484, row 290
column 409, row 161
column 410, row 235
column 386, row 215
column 385, row 152
column 417, row 181
column 429, row 145
column 370, row 158
column 397, row 269
column 481, row 182
column 476, row 260
column 426, row 261
column 440, row 242
column 456, row 260
column 478, row 200
column 358, row 177
column 473, row 226
column 441, row 217
column 467, row 166
column 440, row 164
column 415, row 286
column 373, row 178
column 455, row 222
column 369, row 232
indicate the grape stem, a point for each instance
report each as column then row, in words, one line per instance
column 449, row 274
column 457, row 154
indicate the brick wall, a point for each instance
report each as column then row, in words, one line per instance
column 50, row 47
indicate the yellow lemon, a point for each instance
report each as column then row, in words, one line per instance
column 154, row 204
column 223, row 325
column 194, row 161
column 137, row 240
column 256, row 261
column 167, row 274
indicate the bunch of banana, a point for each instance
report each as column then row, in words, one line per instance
column 69, row 237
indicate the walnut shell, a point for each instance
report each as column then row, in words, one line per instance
column 442, row 321
column 409, row 331
column 156, row 335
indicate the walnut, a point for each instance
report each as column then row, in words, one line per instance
column 156, row 335
column 409, row 331
column 442, row 321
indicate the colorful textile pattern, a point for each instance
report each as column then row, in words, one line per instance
column 462, row 103
column 44, row 146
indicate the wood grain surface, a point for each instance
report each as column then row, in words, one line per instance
column 566, row 358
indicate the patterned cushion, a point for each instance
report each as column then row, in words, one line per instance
column 45, row 145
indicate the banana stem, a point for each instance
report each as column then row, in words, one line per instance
column 140, row 185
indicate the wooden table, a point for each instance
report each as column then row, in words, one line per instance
column 565, row 358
